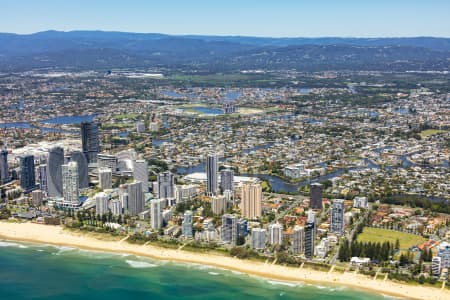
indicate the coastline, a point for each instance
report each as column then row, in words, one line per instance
column 56, row 235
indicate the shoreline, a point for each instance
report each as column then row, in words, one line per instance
column 57, row 236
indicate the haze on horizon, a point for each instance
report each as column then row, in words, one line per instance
column 270, row 18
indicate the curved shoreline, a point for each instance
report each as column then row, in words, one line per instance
column 55, row 235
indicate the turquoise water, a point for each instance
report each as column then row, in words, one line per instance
column 46, row 272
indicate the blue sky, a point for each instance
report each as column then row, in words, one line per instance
column 277, row 18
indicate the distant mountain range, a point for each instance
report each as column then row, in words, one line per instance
column 107, row 50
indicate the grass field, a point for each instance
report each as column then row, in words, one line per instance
column 430, row 132
column 380, row 235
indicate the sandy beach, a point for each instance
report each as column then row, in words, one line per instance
column 56, row 235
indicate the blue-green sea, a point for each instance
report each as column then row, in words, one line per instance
column 32, row 271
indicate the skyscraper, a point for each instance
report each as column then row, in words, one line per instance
column 70, row 184
column 4, row 175
column 316, row 196
column 298, row 240
column 156, row 214
column 107, row 161
column 310, row 234
column 105, row 178
column 136, row 199
column 337, row 216
column 275, row 234
column 186, row 226
column 27, row 175
column 251, row 198
column 226, row 180
column 166, row 185
column 54, row 172
column 43, row 178
column 229, row 229
column 89, row 140
column 211, row 174
column 83, row 175
column 140, row 173
column 101, row 203
column 116, row 207
column 258, row 238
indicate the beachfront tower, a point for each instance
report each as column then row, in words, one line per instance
column 55, row 161
column 211, row 174
column 140, row 173
column 27, row 175
column 89, row 140
column 70, row 184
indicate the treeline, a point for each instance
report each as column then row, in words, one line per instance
column 417, row 201
column 374, row 251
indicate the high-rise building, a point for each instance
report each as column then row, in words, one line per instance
column 83, row 175
column 218, row 205
column 316, row 196
column 211, row 174
column 37, row 196
column 444, row 254
column 298, row 240
column 275, row 234
column 337, row 216
column 116, row 207
column 229, row 229
column 166, row 185
column 70, row 184
column 310, row 234
column 107, row 161
column 156, row 214
column 226, row 180
column 251, row 199
column 55, row 161
column 136, row 200
column 436, row 266
column 101, row 203
column 4, row 175
column 105, row 178
column 89, row 140
column 27, row 173
column 186, row 226
column 43, row 178
column 258, row 238
column 140, row 173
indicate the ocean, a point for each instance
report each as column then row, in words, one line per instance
column 33, row 271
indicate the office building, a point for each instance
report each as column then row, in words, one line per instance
column 316, row 196
column 43, row 178
column 166, row 185
column 211, row 174
column 55, row 161
column 337, row 216
column 4, row 174
column 83, row 172
column 140, row 173
column 186, row 225
column 70, row 184
column 136, row 200
column 101, row 203
column 218, row 205
column 155, row 214
column 27, row 173
column 251, row 199
column 89, row 141
column 298, row 240
column 105, row 178
column 275, row 234
column 258, row 238
column 226, row 180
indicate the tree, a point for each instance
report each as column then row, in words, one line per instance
column 397, row 244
